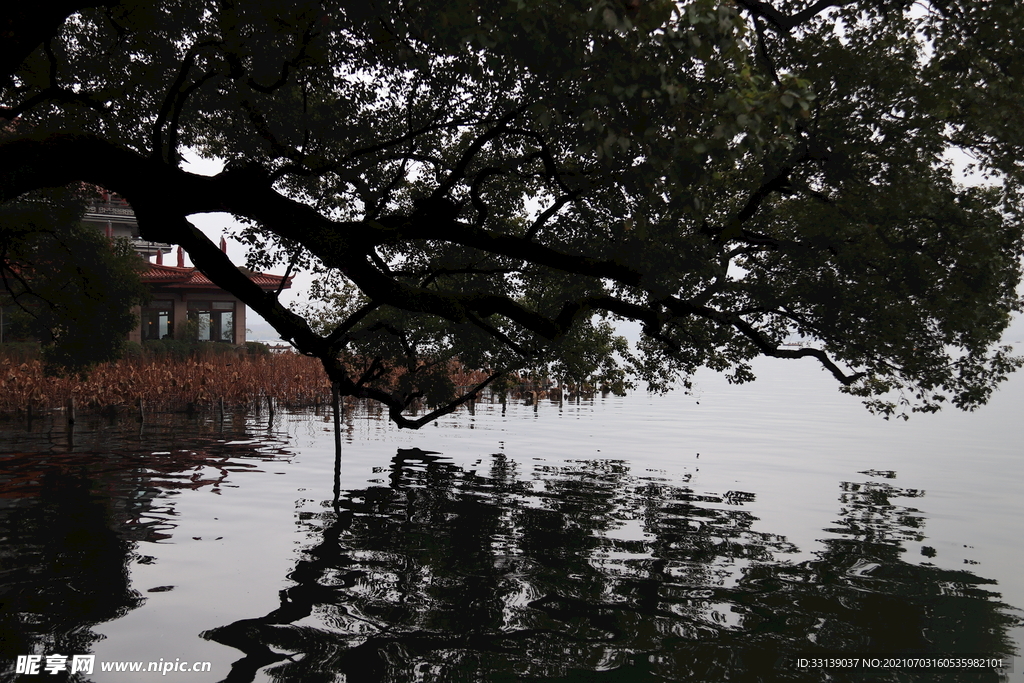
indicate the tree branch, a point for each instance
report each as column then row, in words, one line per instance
column 784, row 23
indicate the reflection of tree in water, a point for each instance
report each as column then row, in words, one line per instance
column 859, row 596
column 71, row 520
column 588, row 573
column 63, row 570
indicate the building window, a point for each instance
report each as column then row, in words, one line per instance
column 216, row 320
column 158, row 320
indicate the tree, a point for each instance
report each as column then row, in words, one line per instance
column 65, row 284
column 481, row 576
column 494, row 178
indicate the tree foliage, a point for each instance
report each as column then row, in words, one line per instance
column 494, row 178
column 65, row 284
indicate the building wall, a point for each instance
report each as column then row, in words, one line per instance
column 110, row 214
column 136, row 334
column 180, row 307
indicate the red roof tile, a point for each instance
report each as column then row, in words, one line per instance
column 191, row 278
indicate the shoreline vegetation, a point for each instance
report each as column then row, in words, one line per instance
column 170, row 376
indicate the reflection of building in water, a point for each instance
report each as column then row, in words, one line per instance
column 180, row 294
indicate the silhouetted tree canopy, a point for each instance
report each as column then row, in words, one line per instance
column 493, row 181
column 65, row 284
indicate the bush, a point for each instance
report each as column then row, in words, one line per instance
column 254, row 348
column 154, row 348
column 177, row 349
column 20, row 351
column 133, row 350
column 210, row 349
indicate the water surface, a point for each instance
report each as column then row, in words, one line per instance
column 690, row 537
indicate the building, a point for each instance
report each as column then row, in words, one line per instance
column 185, row 304
column 111, row 214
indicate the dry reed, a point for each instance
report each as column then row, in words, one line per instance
column 168, row 384
column 165, row 384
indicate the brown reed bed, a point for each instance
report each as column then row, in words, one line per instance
column 167, row 384
column 164, row 384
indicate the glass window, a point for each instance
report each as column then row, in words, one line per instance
column 216, row 320
column 158, row 320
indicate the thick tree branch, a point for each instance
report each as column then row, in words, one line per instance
column 784, row 23
column 149, row 184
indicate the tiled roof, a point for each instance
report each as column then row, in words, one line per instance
column 191, row 278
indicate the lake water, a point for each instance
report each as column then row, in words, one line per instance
column 582, row 541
